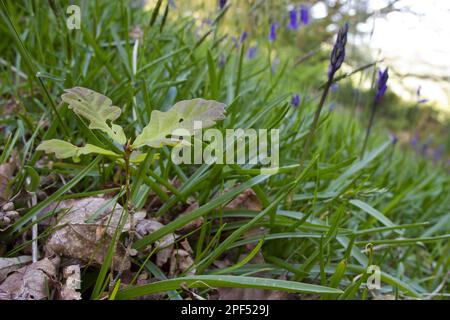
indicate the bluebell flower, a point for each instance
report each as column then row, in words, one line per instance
column 205, row 21
column 251, row 52
column 222, row 4
column 273, row 32
column 414, row 141
column 295, row 101
column 293, row 20
column 334, row 87
column 438, row 153
column 394, row 138
column 304, row 14
column 338, row 52
column 244, row 36
column 235, row 42
column 383, row 77
column 332, row 106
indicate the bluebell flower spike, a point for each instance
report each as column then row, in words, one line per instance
column 222, row 4
column 273, row 32
column 338, row 52
column 304, row 14
column 383, row 77
column 293, row 19
column 295, row 101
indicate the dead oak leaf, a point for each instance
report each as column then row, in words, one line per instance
column 31, row 282
column 8, row 265
column 180, row 262
column 85, row 231
column 72, row 276
column 145, row 227
column 246, row 200
column 6, row 173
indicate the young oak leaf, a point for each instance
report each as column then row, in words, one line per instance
column 63, row 149
column 98, row 109
column 181, row 116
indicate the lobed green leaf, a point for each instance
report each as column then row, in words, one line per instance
column 180, row 117
column 96, row 108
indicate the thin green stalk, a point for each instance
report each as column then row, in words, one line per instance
column 369, row 127
column 313, row 127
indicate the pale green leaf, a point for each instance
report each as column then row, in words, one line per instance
column 63, row 149
column 96, row 108
column 181, row 116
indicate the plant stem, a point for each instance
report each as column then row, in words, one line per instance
column 126, row 158
column 310, row 136
column 313, row 127
column 369, row 127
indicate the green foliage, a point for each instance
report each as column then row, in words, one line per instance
column 63, row 149
column 97, row 108
column 180, row 117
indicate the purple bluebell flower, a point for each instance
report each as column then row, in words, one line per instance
column 251, row 52
column 172, row 4
column 332, row 106
column 295, row 101
column 273, row 32
column 338, row 53
column 205, row 22
column 414, row 141
column 383, row 77
column 244, row 36
column 222, row 4
column 438, row 153
column 334, row 87
column 293, row 20
column 394, row 138
column 304, row 14
column 235, row 42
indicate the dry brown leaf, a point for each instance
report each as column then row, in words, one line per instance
column 8, row 265
column 146, row 226
column 186, row 246
column 8, row 216
column 11, row 107
column 31, row 282
column 180, row 261
column 194, row 224
column 246, row 200
column 6, row 173
column 75, row 237
column 72, row 275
